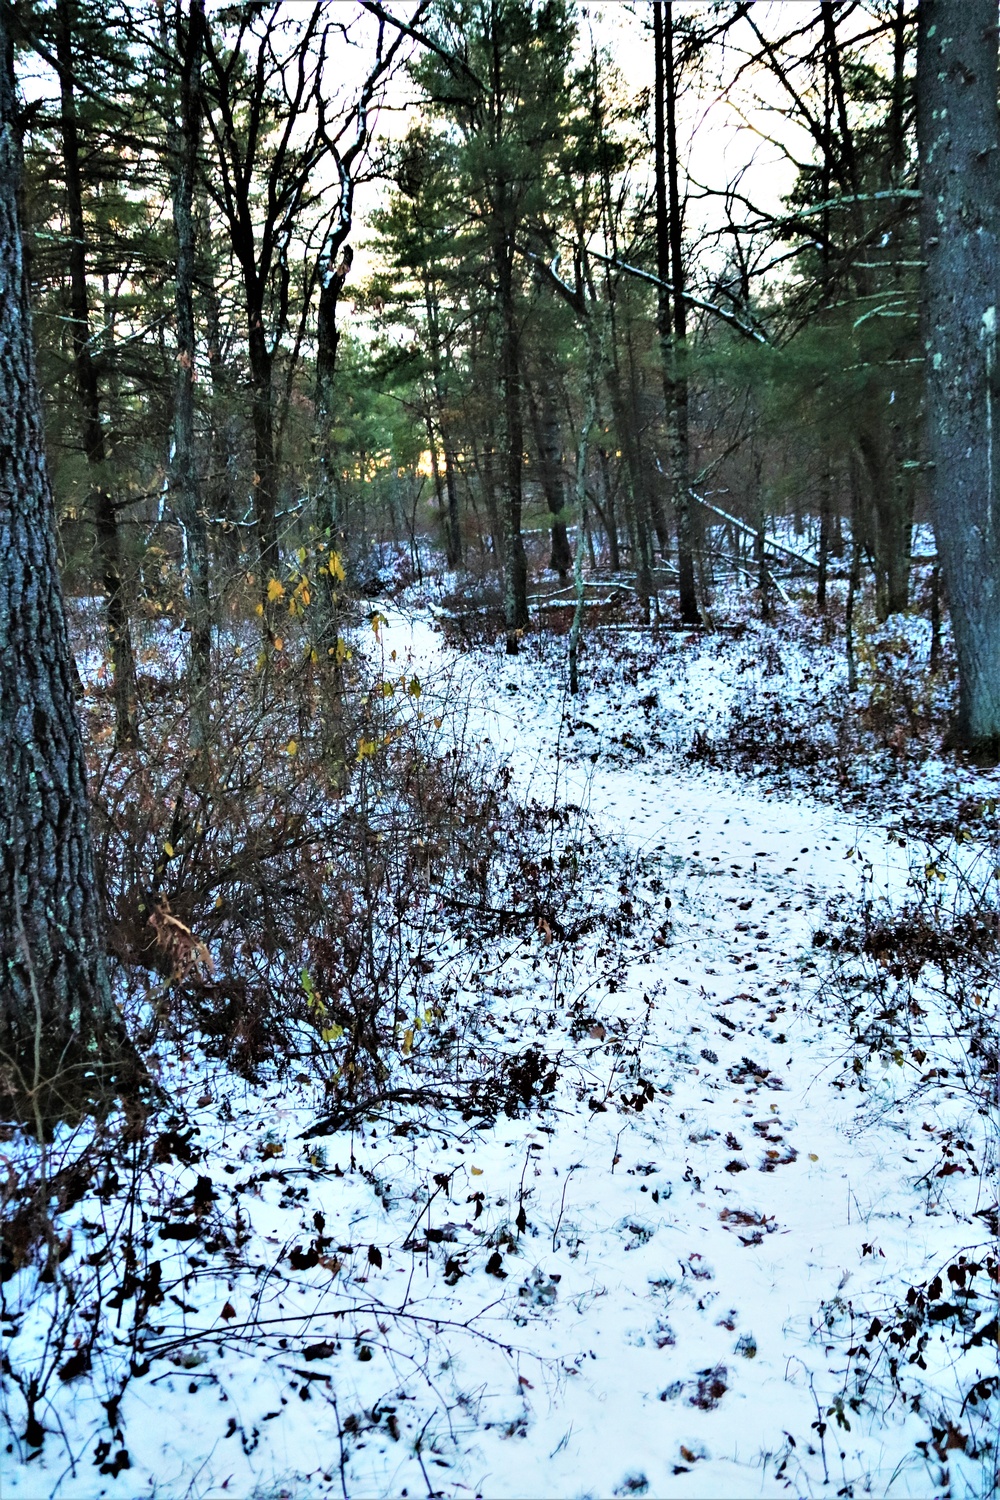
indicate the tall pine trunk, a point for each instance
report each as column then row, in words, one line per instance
column 672, row 311
column 54, row 994
column 331, row 521
column 959, row 152
column 515, row 571
column 94, row 443
column 188, row 488
column 453, row 522
column 548, row 446
column 265, row 476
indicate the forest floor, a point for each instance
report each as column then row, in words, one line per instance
column 693, row 1243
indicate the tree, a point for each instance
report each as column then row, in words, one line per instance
column 959, row 148
column 94, row 437
column 54, row 992
column 671, row 307
column 499, row 72
column 188, row 487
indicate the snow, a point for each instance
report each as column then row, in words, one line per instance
column 672, row 1316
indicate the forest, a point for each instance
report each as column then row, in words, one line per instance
column 499, row 749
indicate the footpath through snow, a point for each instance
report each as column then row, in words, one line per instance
column 648, row 1286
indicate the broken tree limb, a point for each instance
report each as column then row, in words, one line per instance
column 748, row 530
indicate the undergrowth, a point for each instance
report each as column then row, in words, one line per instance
column 916, row 983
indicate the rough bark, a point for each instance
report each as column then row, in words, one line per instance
column 186, row 479
column 959, row 153
column 94, row 443
column 54, row 994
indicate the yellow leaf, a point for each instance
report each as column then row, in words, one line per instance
column 168, row 850
column 336, row 567
column 332, row 1033
column 414, row 688
column 279, row 644
column 306, row 596
column 387, row 690
column 292, row 747
column 301, row 555
column 259, row 609
column 477, row 1171
column 407, row 1041
column 275, row 589
column 341, row 652
column 813, row 1156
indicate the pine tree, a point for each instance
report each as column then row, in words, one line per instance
column 55, row 1002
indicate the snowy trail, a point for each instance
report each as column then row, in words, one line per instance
column 654, row 1325
column 750, row 875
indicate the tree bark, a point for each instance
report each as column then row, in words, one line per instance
column 95, row 446
column 188, row 488
column 54, row 993
column 959, row 154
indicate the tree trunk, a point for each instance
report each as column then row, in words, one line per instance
column 548, row 446
column 608, row 514
column 331, row 522
column 888, row 519
column 55, row 1003
column 515, row 576
column 265, row 468
column 959, row 152
column 825, row 513
column 188, row 488
column 95, row 447
column 760, row 536
column 854, row 577
column 672, row 312
column 453, row 525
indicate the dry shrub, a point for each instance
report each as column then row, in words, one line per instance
column 274, row 899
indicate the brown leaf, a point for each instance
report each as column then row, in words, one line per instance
column 228, row 1312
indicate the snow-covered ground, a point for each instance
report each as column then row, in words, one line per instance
column 645, row 1283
